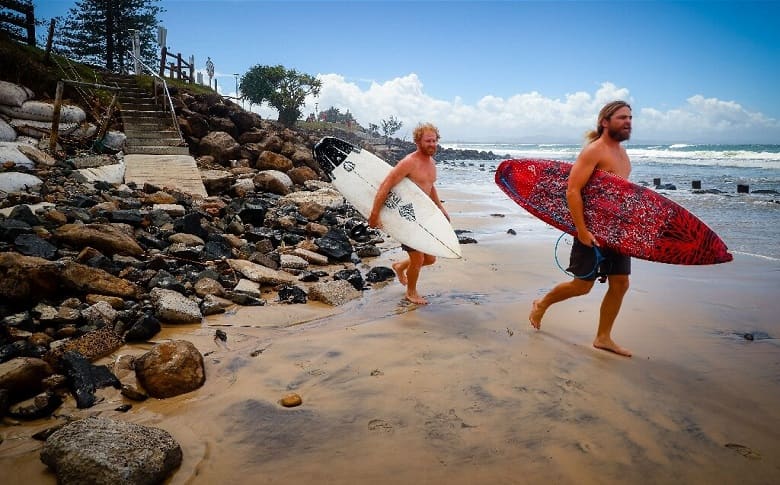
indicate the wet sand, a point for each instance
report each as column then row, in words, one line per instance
column 464, row 390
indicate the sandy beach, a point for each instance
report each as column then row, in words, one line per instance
column 465, row 391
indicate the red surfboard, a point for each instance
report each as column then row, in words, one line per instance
column 623, row 216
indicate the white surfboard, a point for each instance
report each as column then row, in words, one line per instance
column 409, row 215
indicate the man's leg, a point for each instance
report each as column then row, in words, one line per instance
column 400, row 270
column 562, row 291
column 610, row 306
column 416, row 260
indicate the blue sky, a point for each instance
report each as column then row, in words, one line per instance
column 506, row 71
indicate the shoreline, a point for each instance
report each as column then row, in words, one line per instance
column 463, row 390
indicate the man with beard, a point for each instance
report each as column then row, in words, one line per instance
column 420, row 168
column 603, row 151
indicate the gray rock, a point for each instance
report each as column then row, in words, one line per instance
column 102, row 450
column 173, row 307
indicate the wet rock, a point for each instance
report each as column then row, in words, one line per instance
column 170, row 368
column 92, row 345
column 25, row 278
column 334, row 292
column 22, row 376
column 260, row 274
column 291, row 400
column 94, row 280
column 335, row 245
column 379, row 273
column 85, row 378
column 32, row 245
column 173, row 307
column 292, row 294
column 105, row 237
column 102, row 450
column 143, row 329
column 40, row 406
column 353, row 276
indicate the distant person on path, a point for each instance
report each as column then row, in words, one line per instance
column 420, row 168
column 603, row 151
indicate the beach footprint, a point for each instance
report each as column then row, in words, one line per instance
column 744, row 451
column 380, row 425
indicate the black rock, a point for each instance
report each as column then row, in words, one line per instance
column 353, row 276
column 292, row 294
column 379, row 273
column 335, row 245
column 85, row 378
column 144, row 328
column 25, row 214
column 10, row 229
column 32, row 245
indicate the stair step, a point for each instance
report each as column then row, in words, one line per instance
column 157, row 134
column 157, row 150
column 166, row 142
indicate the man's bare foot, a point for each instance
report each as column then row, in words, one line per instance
column 416, row 299
column 610, row 346
column 400, row 272
column 535, row 317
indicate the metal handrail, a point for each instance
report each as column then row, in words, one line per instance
column 167, row 94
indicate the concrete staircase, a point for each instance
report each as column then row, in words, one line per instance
column 154, row 151
column 148, row 127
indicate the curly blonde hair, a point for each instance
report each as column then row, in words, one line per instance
column 422, row 128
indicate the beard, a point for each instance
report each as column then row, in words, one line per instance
column 619, row 135
column 430, row 151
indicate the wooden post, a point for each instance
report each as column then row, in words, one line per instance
column 163, row 55
column 30, row 24
column 55, row 121
column 178, row 66
column 49, row 39
column 104, row 125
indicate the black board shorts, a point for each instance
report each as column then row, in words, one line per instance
column 582, row 262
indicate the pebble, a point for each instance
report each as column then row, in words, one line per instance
column 291, row 400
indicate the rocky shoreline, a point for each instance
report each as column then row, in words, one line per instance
column 87, row 265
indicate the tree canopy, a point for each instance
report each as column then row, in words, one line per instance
column 98, row 32
column 282, row 88
column 390, row 126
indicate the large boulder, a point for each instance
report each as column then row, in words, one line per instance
column 219, row 145
column 171, row 368
column 102, row 450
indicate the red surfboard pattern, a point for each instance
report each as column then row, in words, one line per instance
column 623, row 216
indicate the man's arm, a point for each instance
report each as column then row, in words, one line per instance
column 397, row 174
column 436, row 200
column 580, row 174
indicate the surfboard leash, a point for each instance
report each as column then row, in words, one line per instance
column 599, row 259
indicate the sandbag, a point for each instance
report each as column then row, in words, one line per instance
column 7, row 133
column 42, row 111
column 9, row 153
column 39, row 129
column 13, row 95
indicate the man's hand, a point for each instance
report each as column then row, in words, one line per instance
column 587, row 238
column 374, row 221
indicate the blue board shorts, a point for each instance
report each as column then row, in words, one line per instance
column 582, row 262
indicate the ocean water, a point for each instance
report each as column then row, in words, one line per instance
column 748, row 222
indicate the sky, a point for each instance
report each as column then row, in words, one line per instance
column 504, row 71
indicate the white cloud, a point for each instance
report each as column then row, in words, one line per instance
column 533, row 117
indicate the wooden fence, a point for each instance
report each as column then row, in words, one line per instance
column 180, row 69
column 26, row 20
